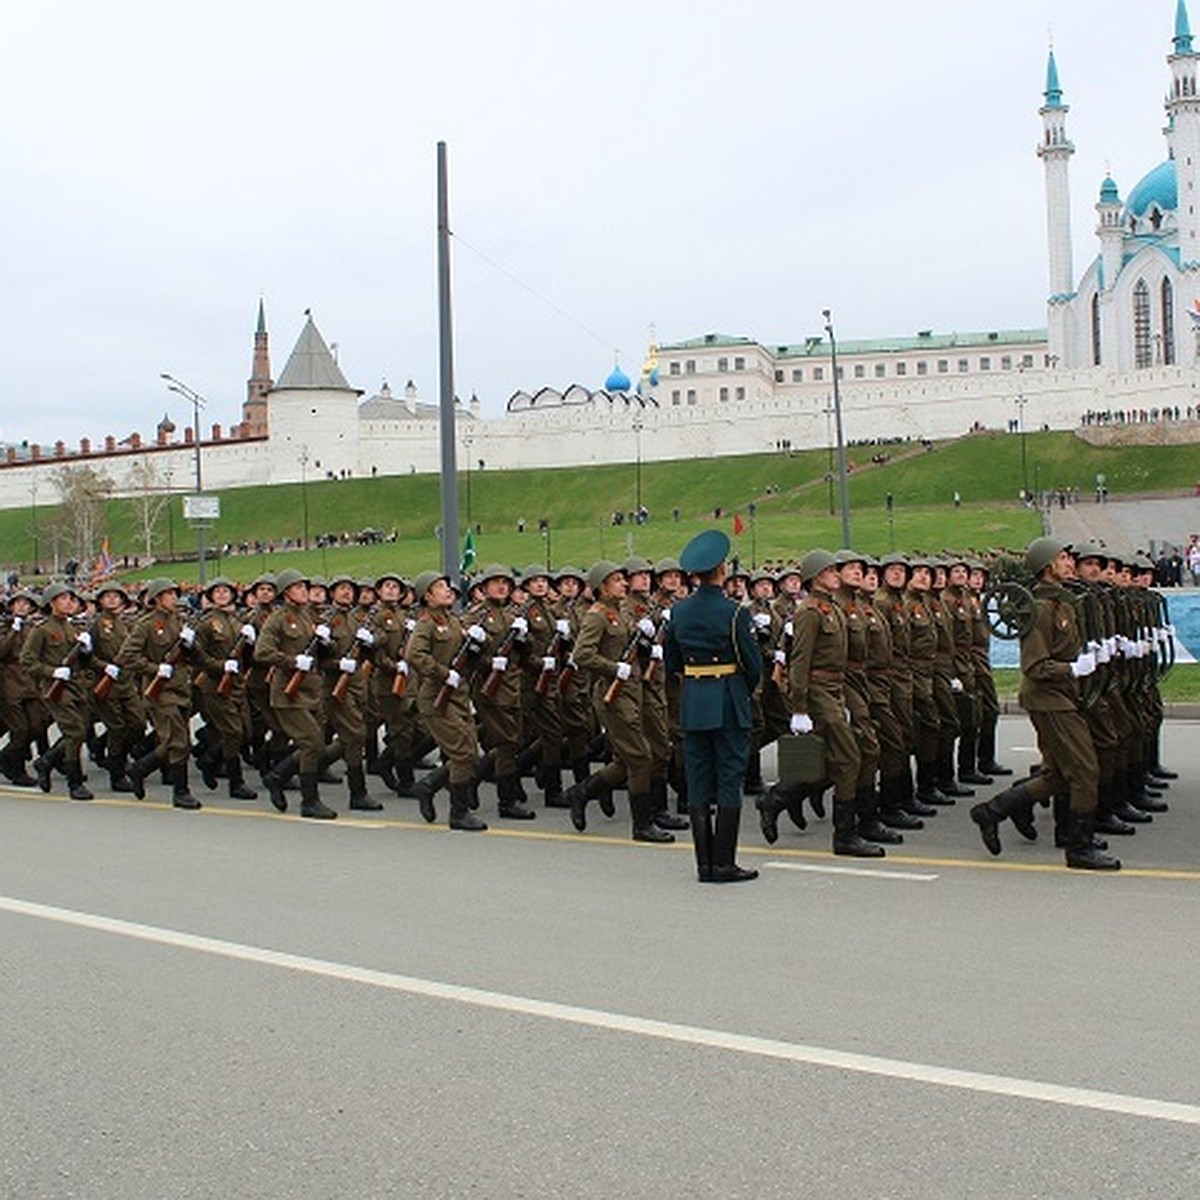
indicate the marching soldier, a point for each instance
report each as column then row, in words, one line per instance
column 710, row 643
column 21, row 706
column 960, row 612
column 985, row 684
column 539, row 680
column 1053, row 660
column 575, row 705
column 946, row 687
column 922, row 654
column 158, row 650
column 118, row 702
column 392, row 626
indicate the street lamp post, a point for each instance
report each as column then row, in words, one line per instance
column 197, row 402
column 33, row 519
column 637, row 430
column 546, row 537
column 1022, row 400
column 843, row 490
column 468, row 442
column 828, row 411
column 304, row 490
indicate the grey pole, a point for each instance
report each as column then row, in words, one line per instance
column 197, row 402
column 451, row 562
column 841, row 439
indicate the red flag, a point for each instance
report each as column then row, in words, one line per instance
column 739, row 525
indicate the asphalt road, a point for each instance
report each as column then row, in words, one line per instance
column 233, row 1003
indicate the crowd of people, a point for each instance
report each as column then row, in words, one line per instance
column 538, row 674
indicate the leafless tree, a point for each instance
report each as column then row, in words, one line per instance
column 84, row 491
column 150, row 500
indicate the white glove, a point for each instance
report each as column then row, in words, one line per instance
column 112, row 671
column 1147, row 648
column 624, row 670
column 18, row 623
column 165, row 670
column 956, row 685
column 453, row 679
column 304, row 662
column 846, row 714
column 789, row 630
column 364, row 635
column 499, row 663
column 521, row 627
column 549, row 663
column 562, row 627
column 1101, row 651
column 1168, row 629
column 248, row 634
column 761, row 620
column 646, row 627
column 85, row 642
column 1110, row 644
column 232, row 666
column 801, row 723
column 477, row 633
column 410, row 624
column 656, row 653
column 666, row 614
column 187, row 635
column 348, row 665
column 63, row 673
column 402, row 667
column 1085, row 664
column 323, row 632
column 781, row 658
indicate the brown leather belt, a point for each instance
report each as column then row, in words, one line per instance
column 821, row 673
column 709, row 670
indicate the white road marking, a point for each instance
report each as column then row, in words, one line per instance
column 863, row 1064
column 866, row 872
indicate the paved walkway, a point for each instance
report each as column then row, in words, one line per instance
column 1141, row 524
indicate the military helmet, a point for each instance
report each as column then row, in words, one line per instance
column 814, row 562
column 665, row 564
column 265, row 579
column 1141, row 561
column 54, row 591
column 379, row 579
column 156, row 587
column 495, row 571
column 23, row 594
column 601, row 571
column 1089, row 550
column 287, row 577
column 317, row 581
column 894, row 558
column 112, row 585
column 635, row 564
column 534, row 571
column 845, row 556
column 343, row 577
column 918, row 558
column 220, row 581
column 569, row 572
column 424, row 582
column 763, row 573
column 1042, row 551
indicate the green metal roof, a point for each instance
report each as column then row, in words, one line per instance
column 817, row 347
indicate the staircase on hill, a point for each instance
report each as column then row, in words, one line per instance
column 1128, row 524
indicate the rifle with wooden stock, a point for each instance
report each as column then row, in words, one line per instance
column 154, row 688
column 554, row 651
column 296, row 680
column 342, row 683
column 659, row 639
column 236, row 651
column 54, row 693
column 629, row 656
column 459, row 664
column 491, row 685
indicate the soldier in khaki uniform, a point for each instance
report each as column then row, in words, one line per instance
column 539, row 681
column 922, row 653
column 608, row 650
column 575, row 705
column 289, row 645
column 985, row 684
column 21, row 707
column 1053, row 660
column 117, row 699
column 54, row 653
column 946, row 687
column 158, row 650
column 392, row 625
column 442, row 656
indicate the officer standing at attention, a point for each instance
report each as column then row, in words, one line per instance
column 711, row 643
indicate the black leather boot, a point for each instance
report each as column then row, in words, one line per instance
column 76, row 788
column 45, row 764
column 238, row 788
column 985, row 749
column 702, row 843
column 512, row 805
column 428, row 786
column 846, row 839
column 181, row 796
column 356, row 783
column 870, row 827
column 578, row 795
column 909, row 802
column 461, row 815
column 769, row 807
column 277, row 777
column 752, row 781
column 13, row 767
column 890, row 811
column 552, row 788
column 663, row 817
column 311, row 805
column 1137, row 795
column 927, row 789
column 402, row 777
column 1106, row 820
column 644, row 828
column 946, row 783
column 138, row 771
column 724, row 866
column 1082, row 853
column 1015, row 800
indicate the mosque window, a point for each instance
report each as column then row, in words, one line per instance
column 1027, row 361
column 1168, row 322
column 778, row 375
column 880, row 370
column 1096, row 356
column 1141, row 326
column 1006, row 363
column 797, row 375
column 722, row 364
column 859, row 371
column 1155, row 219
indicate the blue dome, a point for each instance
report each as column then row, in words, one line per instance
column 1108, row 191
column 1159, row 187
column 617, row 381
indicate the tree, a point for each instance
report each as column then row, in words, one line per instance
column 84, row 491
column 150, row 499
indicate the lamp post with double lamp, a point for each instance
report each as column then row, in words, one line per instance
column 197, row 402
column 1021, row 401
column 638, row 426
column 843, row 491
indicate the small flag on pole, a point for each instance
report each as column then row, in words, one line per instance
column 468, row 552
column 739, row 526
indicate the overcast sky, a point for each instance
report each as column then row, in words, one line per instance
column 694, row 165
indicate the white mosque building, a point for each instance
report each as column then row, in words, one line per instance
column 1119, row 341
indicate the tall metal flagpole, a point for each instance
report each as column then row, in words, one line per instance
column 451, row 563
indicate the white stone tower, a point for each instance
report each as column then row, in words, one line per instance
column 1102, row 342
column 1183, row 116
column 1055, row 152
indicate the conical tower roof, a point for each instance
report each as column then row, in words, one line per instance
column 311, row 365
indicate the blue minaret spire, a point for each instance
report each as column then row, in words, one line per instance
column 1053, row 88
column 1183, row 29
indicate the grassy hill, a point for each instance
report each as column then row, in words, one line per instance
column 790, row 494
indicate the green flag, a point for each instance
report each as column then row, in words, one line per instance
column 468, row 553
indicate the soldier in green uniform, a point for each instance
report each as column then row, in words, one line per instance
column 442, row 655
column 711, row 645
column 119, row 702
column 539, row 682
column 289, row 646
column 575, row 705
column 21, row 707
column 158, row 650
column 985, row 684
column 1053, row 660
column 53, row 654
column 392, row 624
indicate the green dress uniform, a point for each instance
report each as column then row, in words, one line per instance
column 21, row 706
